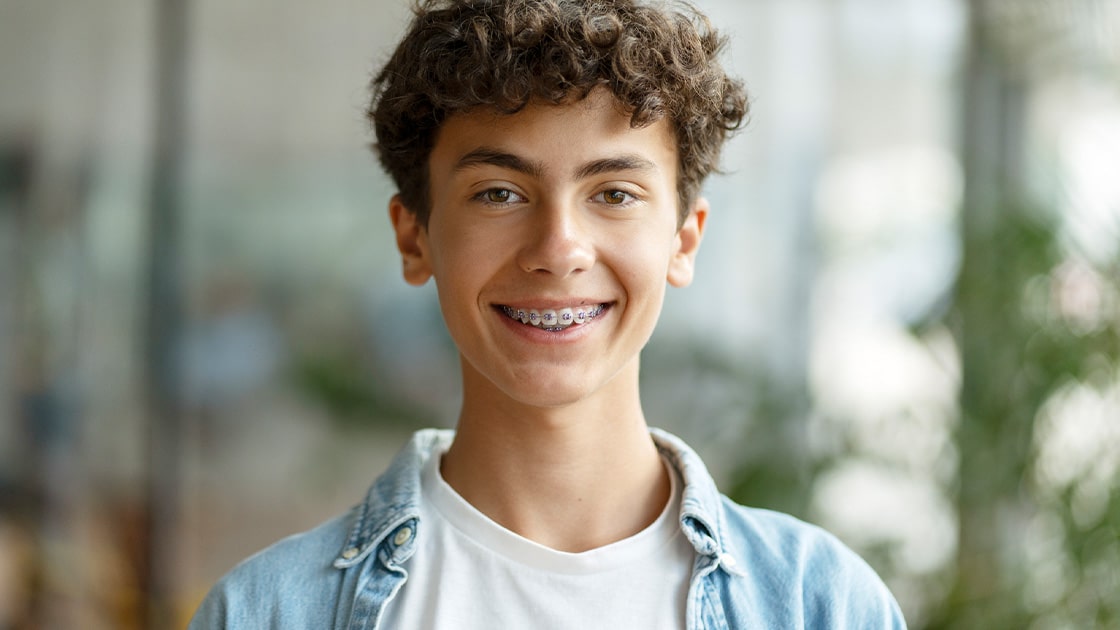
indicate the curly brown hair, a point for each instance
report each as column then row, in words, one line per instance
column 458, row 55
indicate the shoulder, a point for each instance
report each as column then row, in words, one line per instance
column 780, row 538
column 788, row 558
column 264, row 586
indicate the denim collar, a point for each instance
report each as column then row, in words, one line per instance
column 391, row 510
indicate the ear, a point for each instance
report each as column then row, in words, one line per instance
column 412, row 242
column 682, row 265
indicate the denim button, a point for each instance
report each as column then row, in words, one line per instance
column 349, row 553
column 403, row 534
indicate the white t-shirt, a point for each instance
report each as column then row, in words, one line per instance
column 470, row 573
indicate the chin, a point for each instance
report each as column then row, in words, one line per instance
column 558, row 393
column 553, row 398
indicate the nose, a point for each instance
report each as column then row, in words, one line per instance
column 558, row 242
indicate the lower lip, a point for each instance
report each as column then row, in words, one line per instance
column 540, row 335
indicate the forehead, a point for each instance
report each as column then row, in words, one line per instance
column 557, row 138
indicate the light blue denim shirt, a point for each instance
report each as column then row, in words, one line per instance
column 753, row 569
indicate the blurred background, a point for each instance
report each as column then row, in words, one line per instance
column 906, row 325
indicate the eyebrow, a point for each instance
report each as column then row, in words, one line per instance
column 492, row 157
column 485, row 156
column 614, row 165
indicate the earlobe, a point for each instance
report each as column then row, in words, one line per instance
column 412, row 242
column 683, row 263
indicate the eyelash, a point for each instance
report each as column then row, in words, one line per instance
column 483, row 196
column 629, row 200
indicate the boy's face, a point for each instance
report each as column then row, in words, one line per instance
column 561, row 212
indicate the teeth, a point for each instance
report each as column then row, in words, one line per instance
column 551, row 319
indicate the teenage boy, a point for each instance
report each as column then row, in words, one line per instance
column 548, row 155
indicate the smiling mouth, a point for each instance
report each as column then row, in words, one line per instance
column 553, row 320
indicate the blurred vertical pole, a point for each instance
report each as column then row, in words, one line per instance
column 164, row 312
column 994, row 432
column 977, row 565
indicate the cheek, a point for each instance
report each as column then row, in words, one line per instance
column 646, row 258
column 462, row 264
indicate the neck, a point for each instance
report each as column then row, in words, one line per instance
column 572, row 477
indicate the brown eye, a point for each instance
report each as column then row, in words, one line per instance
column 498, row 195
column 615, row 197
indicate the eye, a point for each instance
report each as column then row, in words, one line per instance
column 615, row 197
column 498, row 196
